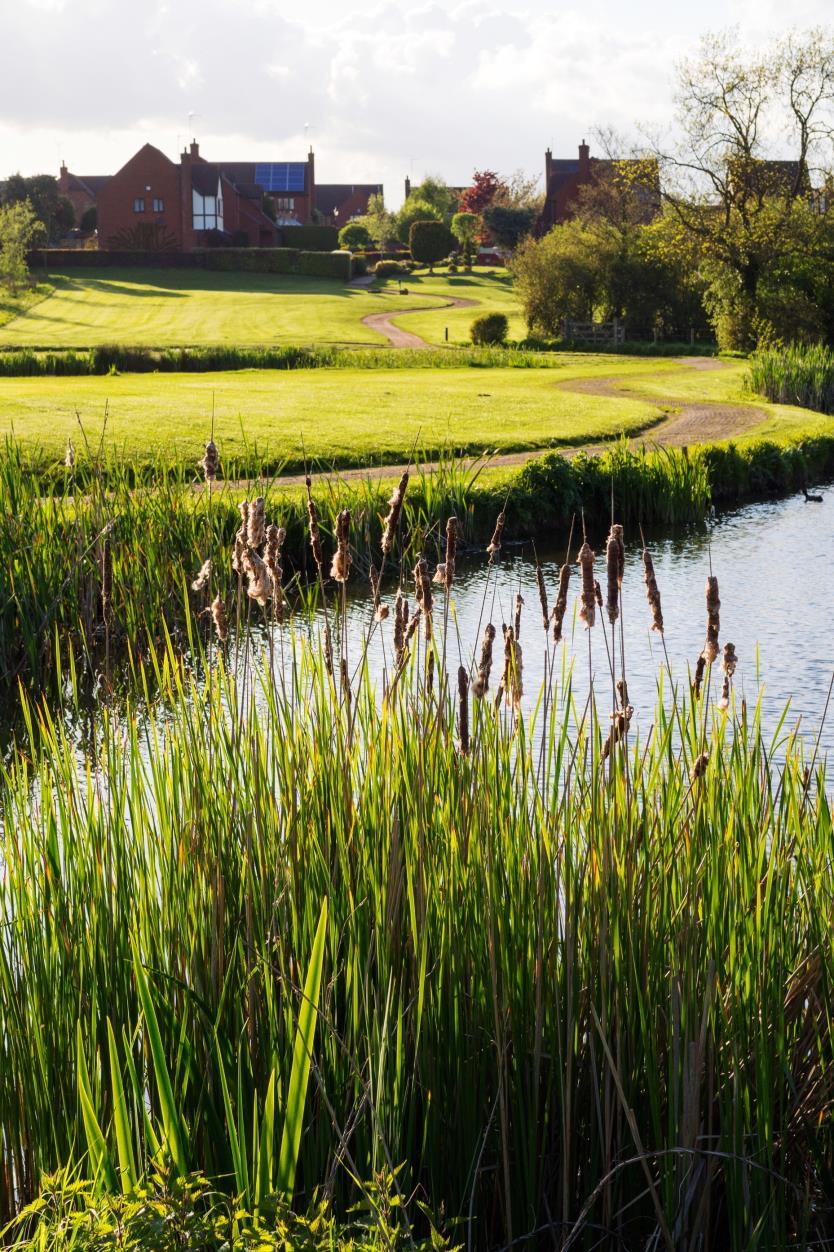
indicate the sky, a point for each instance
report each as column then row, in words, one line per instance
column 380, row 90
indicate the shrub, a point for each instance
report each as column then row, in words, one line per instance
column 360, row 266
column 490, row 328
column 430, row 242
column 325, row 265
column 310, row 238
column 388, row 269
column 354, row 236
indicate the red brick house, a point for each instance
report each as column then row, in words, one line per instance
column 339, row 203
column 80, row 189
column 564, row 177
column 153, row 202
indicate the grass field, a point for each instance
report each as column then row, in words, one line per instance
column 163, row 308
column 347, row 417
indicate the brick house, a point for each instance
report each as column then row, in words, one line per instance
column 564, row 178
column 339, row 203
column 153, row 202
column 80, row 189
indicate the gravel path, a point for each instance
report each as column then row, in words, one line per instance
column 383, row 322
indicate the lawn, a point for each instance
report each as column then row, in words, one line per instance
column 164, row 308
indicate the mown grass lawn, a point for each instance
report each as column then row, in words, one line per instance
column 165, row 308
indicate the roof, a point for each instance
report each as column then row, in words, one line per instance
column 204, row 178
column 91, row 183
column 330, row 196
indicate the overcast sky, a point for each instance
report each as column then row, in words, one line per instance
column 379, row 89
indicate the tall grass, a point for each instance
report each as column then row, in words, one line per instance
column 568, row 992
column 800, row 374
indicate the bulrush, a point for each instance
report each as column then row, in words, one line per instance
column 463, row 710
column 422, row 585
column 313, row 518
column 560, row 607
column 221, row 621
column 400, row 623
column 542, row 596
column 380, row 609
column 340, row 565
column 713, row 620
column 512, row 686
column 699, row 767
column 614, row 568
column 107, row 583
column 275, row 536
column 202, row 578
column 481, row 683
column 494, row 545
column 240, row 538
column 259, row 583
column 395, row 505
column 451, row 551
column 256, row 523
column 728, row 664
column 210, row 462
column 69, row 455
column 587, row 609
column 700, row 666
column 519, row 605
column 620, row 722
column 652, row 592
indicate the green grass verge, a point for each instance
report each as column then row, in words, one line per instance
column 163, row 308
column 15, row 306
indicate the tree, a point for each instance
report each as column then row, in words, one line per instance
column 89, row 220
column 19, row 228
column 442, row 198
column 430, row 242
column 414, row 210
column 485, row 186
column 41, row 191
column 565, row 274
column 465, row 228
column 507, row 225
column 380, row 224
column 354, row 236
column 745, row 212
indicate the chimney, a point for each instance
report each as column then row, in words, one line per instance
column 194, row 149
column 548, row 166
column 311, row 184
column 584, row 157
column 407, row 186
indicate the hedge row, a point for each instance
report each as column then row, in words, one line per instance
column 311, row 238
column 314, row 264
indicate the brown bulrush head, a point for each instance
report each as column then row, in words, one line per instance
column 220, row 619
column 328, row 648
column 481, row 683
column 313, row 517
column 713, row 620
column 395, row 505
column 451, row 551
column 620, row 722
column 411, row 628
column 275, row 536
column 69, row 455
column 340, row 566
column 542, row 596
column 430, row 670
column 622, row 693
column 494, row 545
column 614, row 567
column 730, row 660
column 463, row 710
column 107, row 583
column 700, row 666
column 699, row 767
column 400, row 623
column 519, row 605
column 422, row 583
column 512, row 685
column 440, row 574
column 259, row 583
column 724, row 702
column 560, row 607
column 240, row 538
column 587, row 598
column 202, row 578
column 256, row 523
column 210, row 462
column 652, row 593
column 598, row 593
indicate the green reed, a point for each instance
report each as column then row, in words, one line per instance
column 801, row 374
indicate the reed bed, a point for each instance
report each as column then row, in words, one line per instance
column 565, row 985
column 801, row 374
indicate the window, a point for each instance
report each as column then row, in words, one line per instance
column 158, row 205
column 207, row 212
column 139, row 205
column 286, row 202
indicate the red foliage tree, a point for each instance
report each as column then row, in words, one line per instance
column 485, row 186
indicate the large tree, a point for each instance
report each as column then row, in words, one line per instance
column 41, row 191
column 748, row 213
column 19, row 228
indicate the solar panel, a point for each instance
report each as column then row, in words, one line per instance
column 281, row 175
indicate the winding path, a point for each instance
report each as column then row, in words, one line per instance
column 383, row 323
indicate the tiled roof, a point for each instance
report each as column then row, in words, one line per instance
column 330, row 196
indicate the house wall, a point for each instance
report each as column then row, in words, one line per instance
column 147, row 176
column 79, row 199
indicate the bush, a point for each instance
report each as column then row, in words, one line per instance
column 430, row 242
column 490, row 328
column 310, row 238
column 354, row 236
column 325, row 265
column 388, row 269
column 360, row 266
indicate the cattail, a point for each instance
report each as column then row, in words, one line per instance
column 730, row 660
column 395, row 505
column 202, row 578
column 700, row 666
column 400, row 623
column 440, row 574
column 210, row 462
column 512, row 686
column 652, row 593
column 622, row 693
column 519, row 604
column 463, row 710
column 587, row 610
column 69, row 456
column 380, row 609
column 107, row 583
column 699, row 767
column 494, row 545
column 313, row 516
column 451, row 551
column 259, row 583
column 256, row 523
column 560, row 607
column 345, row 680
column 542, row 596
column 713, row 620
column 328, row 647
column 598, row 593
column 275, row 536
column 412, row 627
column 425, row 600
column 614, row 567
column 430, row 670
column 481, row 683
column 340, row 566
column 724, row 702
column 620, row 722
column 240, row 538
column 221, row 621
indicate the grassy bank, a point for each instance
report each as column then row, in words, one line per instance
column 561, row 990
